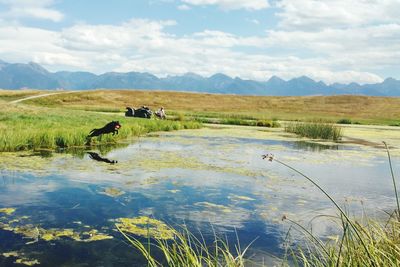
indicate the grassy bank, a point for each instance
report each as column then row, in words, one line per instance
column 359, row 109
column 26, row 127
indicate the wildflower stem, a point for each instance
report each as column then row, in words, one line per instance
column 394, row 181
column 334, row 203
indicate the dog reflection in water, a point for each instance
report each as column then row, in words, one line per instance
column 95, row 156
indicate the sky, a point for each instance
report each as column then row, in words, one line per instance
column 329, row 40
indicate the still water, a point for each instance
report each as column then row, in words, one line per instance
column 64, row 206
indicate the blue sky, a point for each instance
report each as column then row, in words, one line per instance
column 332, row 41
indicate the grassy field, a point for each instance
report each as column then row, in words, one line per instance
column 24, row 127
column 9, row 95
column 357, row 109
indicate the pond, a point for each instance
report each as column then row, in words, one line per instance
column 60, row 209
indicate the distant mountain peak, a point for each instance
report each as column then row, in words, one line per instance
column 275, row 79
column 37, row 67
column 3, row 64
column 303, row 78
column 32, row 75
column 192, row 75
column 220, row 76
column 390, row 79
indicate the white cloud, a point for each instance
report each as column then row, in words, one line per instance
column 31, row 9
column 231, row 4
column 331, row 55
column 317, row 15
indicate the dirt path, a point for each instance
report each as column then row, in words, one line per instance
column 38, row 96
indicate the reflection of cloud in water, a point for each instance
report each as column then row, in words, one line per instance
column 218, row 166
column 27, row 191
column 236, row 217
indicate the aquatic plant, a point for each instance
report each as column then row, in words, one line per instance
column 20, row 258
column 35, row 233
column 315, row 130
column 344, row 121
column 363, row 241
column 7, row 211
column 185, row 249
column 112, row 192
column 145, row 226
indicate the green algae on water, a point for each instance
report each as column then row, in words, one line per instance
column 35, row 233
column 214, row 206
column 20, row 258
column 112, row 192
column 146, row 227
column 7, row 211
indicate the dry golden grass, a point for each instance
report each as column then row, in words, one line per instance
column 366, row 109
column 10, row 95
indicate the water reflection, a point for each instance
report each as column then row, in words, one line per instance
column 312, row 146
column 95, row 156
column 203, row 181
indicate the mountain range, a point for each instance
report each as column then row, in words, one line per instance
column 32, row 75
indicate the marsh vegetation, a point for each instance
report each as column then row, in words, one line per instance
column 315, row 130
column 236, row 209
column 27, row 127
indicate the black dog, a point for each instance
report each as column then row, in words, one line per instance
column 111, row 127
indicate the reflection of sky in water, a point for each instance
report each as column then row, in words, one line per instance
column 196, row 180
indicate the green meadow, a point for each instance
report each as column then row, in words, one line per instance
column 25, row 127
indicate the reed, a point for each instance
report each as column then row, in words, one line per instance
column 362, row 242
column 188, row 250
column 315, row 130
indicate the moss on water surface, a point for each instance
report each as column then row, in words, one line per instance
column 20, row 258
column 209, row 205
column 7, row 211
column 34, row 232
column 146, row 227
column 112, row 192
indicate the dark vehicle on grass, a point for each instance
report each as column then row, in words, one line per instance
column 143, row 112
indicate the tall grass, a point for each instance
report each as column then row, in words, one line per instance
column 363, row 241
column 315, row 130
column 188, row 250
column 26, row 128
